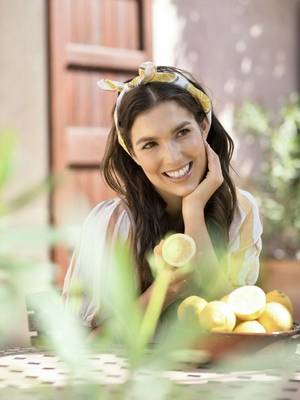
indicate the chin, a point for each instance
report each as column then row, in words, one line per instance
column 179, row 191
column 184, row 191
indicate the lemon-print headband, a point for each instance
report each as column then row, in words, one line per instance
column 148, row 73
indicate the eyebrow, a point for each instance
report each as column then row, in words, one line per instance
column 150, row 138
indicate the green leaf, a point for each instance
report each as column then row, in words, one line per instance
column 61, row 330
column 7, row 145
column 278, row 176
column 252, row 117
column 30, row 194
column 120, row 300
column 154, row 307
column 28, row 237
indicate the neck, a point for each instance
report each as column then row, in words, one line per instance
column 174, row 206
column 174, row 203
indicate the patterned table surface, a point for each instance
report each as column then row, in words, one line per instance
column 25, row 370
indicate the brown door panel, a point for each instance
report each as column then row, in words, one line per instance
column 88, row 40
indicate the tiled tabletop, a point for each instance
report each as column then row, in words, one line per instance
column 24, row 371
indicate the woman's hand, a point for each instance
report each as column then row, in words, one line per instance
column 179, row 280
column 177, row 288
column 196, row 201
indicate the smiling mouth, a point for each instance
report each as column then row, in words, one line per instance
column 180, row 173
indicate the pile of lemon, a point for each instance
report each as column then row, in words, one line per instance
column 247, row 309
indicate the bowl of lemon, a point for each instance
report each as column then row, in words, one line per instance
column 246, row 318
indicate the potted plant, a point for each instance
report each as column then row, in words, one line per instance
column 276, row 186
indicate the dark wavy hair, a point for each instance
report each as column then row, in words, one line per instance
column 146, row 206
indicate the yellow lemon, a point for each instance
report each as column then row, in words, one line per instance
column 225, row 298
column 247, row 302
column 178, row 249
column 279, row 297
column 217, row 316
column 276, row 318
column 249, row 327
column 190, row 307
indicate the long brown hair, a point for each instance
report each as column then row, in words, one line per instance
column 126, row 177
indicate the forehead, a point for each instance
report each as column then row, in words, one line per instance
column 162, row 118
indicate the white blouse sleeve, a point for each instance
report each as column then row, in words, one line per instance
column 245, row 241
column 90, row 263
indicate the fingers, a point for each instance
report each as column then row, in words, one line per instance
column 178, row 286
column 178, row 276
column 214, row 165
column 210, row 151
column 212, row 157
column 158, row 248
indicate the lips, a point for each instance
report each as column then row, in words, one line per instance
column 179, row 173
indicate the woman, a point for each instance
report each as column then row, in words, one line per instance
column 168, row 159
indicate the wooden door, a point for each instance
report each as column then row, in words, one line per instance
column 88, row 40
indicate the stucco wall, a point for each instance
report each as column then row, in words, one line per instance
column 239, row 49
column 23, row 94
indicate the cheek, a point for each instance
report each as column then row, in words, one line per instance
column 148, row 164
column 197, row 149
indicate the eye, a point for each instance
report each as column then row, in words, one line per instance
column 183, row 132
column 148, row 145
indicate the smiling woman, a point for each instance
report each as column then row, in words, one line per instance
column 169, row 146
column 168, row 159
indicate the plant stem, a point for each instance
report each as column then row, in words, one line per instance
column 154, row 307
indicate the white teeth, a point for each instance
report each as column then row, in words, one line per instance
column 180, row 173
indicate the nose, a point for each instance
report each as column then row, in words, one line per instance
column 172, row 153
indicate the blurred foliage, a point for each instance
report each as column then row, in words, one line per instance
column 23, row 276
column 128, row 330
column 277, row 183
column 59, row 328
column 8, row 206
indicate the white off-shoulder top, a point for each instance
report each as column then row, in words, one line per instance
column 109, row 221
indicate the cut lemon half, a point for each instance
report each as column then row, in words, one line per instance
column 249, row 327
column 247, row 302
column 178, row 249
column 279, row 297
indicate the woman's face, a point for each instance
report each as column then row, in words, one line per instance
column 169, row 146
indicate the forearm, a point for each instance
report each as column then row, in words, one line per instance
column 95, row 332
column 144, row 298
column 143, row 301
column 212, row 273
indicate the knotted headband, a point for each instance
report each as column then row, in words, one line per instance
column 148, row 73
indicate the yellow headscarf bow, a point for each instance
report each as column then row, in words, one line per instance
column 148, row 73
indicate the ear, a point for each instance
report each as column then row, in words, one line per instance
column 204, row 126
